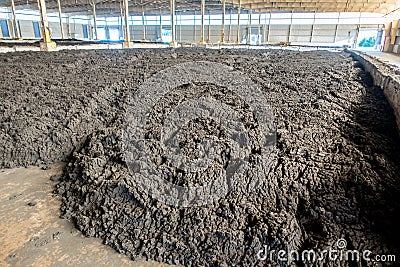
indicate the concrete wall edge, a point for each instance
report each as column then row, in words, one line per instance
column 385, row 76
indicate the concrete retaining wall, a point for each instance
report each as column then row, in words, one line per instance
column 385, row 77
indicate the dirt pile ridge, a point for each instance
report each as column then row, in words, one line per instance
column 335, row 173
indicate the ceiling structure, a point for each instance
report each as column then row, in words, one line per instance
column 378, row 6
column 113, row 7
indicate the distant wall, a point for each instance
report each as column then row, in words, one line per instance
column 268, row 34
column 27, row 30
column 189, row 33
column 9, row 27
column 296, row 27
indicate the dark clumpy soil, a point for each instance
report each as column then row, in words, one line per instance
column 335, row 173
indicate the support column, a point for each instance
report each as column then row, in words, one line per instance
column 60, row 16
column 265, row 29
column 378, row 40
column 177, row 26
column 68, row 28
column 336, row 28
column 143, row 22
column 208, row 28
column 160, row 25
column 128, row 43
column 259, row 29
column 354, row 45
column 223, row 22
column 269, row 27
column 74, row 27
column 120, row 21
column 358, row 31
column 386, row 43
column 249, row 26
column 393, row 31
column 230, row 25
column 173, row 40
column 90, row 30
column 47, row 44
column 107, row 29
column 94, row 19
column 203, row 2
column 180, row 27
column 238, row 23
column 290, row 28
column 194, row 27
column 16, row 28
column 312, row 29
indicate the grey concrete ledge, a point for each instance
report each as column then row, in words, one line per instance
column 384, row 75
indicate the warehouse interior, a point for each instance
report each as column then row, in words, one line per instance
column 199, row 132
column 327, row 23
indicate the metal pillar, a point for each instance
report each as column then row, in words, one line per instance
column 74, row 26
column 203, row 2
column 238, row 23
column 354, row 45
column 173, row 40
column 259, row 29
column 60, row 15
column 177, row 21
column 230, row 25
column 69, row 28
column 120, row 21
column 47, row 44
column 208, row 27
column 127, row 43
column 16, row 28
column 358, row 31
column 160, row 25
column 269, row 27
column 290, row 27
column 387, row 41
column 90, row 30
column 312, row 28
column 107, row 30
column 249, row 26
column 194, row 26
column 177, row 27
column 265, row 29
column 223, row 22
column 143, row 22
column 180, row 27
column 94, row 19
column 336, row 30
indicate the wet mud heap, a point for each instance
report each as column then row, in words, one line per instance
column 335, row 172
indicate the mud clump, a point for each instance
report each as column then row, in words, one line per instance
column 335, row 173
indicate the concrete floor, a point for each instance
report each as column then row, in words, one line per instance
column 33, row 234
column 387, row 57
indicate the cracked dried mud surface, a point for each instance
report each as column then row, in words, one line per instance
column 335, row 173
